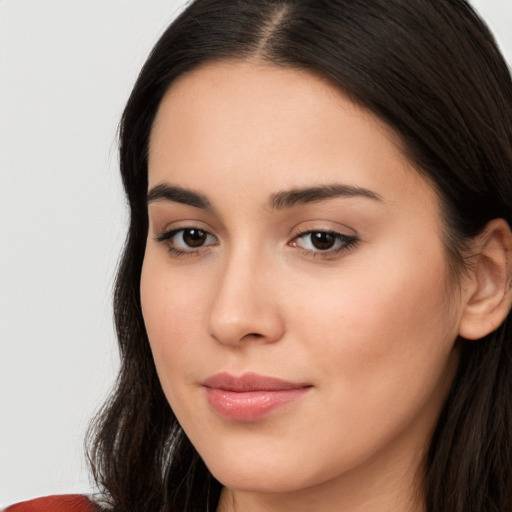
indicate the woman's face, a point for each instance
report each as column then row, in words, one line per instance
column 295, row 287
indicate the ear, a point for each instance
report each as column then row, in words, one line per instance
column 488, row 295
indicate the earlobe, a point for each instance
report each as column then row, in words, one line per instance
column 489, row 294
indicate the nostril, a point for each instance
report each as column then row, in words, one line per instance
column 233, row 317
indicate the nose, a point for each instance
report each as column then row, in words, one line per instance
column 244, row 306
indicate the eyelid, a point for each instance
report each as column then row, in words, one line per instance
column 322, row 226
column 337, row 236
column 167, row 235
column 162, row 230
column 343, row 241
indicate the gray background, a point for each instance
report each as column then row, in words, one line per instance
column 66, row 69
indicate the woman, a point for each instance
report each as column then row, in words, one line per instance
column 313, row 302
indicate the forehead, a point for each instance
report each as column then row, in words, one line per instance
column 258, row 95
column 243, row 122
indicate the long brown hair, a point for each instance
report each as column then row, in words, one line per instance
column 432, row 71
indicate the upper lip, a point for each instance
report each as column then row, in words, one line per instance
column 249, row 382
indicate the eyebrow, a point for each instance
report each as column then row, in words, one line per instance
column 299, row 196
column 164, row 192
column 279, row 201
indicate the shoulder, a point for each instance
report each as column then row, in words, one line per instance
column 59, row 503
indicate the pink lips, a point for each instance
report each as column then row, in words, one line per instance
column 251, row 396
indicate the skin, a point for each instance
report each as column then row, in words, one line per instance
column 371, row 328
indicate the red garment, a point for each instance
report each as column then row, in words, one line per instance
column 61, row 503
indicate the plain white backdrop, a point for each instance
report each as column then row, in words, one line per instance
column 66, row 70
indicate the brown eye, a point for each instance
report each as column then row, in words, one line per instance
column 194, row 237
column 323, row 241
column 327, row 243
column 187, row 240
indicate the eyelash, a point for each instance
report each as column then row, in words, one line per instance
column 167, row 237
column 345, row 242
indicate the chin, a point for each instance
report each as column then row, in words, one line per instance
column 265, row 481
column 263, row 475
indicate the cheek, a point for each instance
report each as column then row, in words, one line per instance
column 381, row 347
column 173, row 316
column 383, row 330
column 393, row 293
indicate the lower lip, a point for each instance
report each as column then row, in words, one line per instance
column 251, row 405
